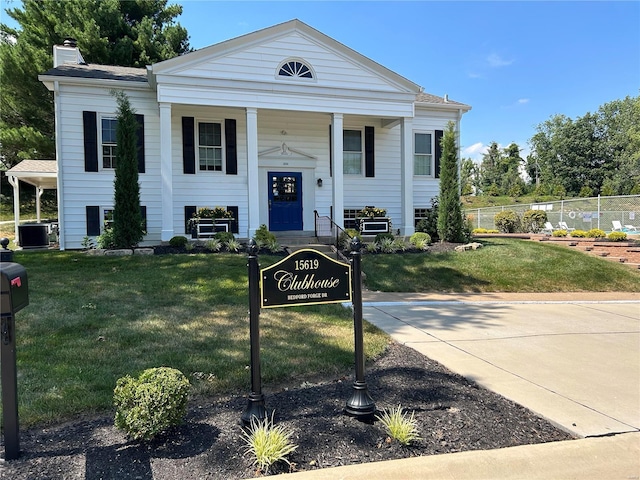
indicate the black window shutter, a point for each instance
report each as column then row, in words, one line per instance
column 140, row 144
column 143, row 215
column 189, row 212
column 234, row 223
column 93, row 220
column 331, row 150
column 188, row 145
column 90, row 127
column 231, row 150
column 438, row 139
column 369, row 152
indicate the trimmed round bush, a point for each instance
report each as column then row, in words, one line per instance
column 559, row 233
column 420, row 239
column 507, row 221
column 533, row 220
column 617, row 236
column 596, row 233
column 178, row 241
column 152, row 403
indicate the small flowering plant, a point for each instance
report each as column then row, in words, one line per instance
column 215, row 212
column 371, row 212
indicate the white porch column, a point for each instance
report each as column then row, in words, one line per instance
column 166, row 172
column 39, row 192
column 252, row 171
column 406, row 181
column 337, row 126
column 15, row 183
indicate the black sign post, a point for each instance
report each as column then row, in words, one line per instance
column 303, row 278
column 255, row 404
column 360, row 405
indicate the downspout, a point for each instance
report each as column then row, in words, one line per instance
column 15, row 183
column 59, row 176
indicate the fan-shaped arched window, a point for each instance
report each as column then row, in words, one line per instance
column 295, row 69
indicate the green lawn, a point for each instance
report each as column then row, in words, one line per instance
column 94, row 319
column 503, row 265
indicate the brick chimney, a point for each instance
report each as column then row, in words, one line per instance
column 67, row 53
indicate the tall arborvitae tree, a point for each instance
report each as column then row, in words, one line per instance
column 127, row 221
column 450, row 220
column 131, row 33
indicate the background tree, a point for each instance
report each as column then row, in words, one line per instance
column 112, row 32
column 598, row 152
column 468, row 177
column 127, row 221
column 450, row 219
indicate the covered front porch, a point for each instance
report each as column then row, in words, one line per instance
column 43, row 175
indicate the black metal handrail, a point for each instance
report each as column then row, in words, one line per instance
column 325, row 224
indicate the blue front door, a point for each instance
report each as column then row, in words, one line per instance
column 285, row 201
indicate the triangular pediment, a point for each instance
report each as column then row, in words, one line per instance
column 259, row 56
column 283, row 152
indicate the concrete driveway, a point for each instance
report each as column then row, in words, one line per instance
column 575, row 363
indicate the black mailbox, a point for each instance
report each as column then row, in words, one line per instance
column 14, row 288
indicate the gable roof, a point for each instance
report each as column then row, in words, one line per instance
column 278, row 31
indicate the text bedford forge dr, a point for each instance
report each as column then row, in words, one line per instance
column 305, row 277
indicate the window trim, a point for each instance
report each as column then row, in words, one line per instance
column 102, row 143
column 222, row 147
column 362, row 150
column 296, row 78
column 432, row 154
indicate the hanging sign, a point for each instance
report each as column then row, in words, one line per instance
column 303, row 278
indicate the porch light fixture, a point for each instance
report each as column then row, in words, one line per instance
column 319, row 182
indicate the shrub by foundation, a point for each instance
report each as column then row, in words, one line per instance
column 178, row 241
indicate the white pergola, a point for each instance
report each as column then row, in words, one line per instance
column 42, row 174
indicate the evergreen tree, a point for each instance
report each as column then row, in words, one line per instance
column 112, row 32
column 127, row 221
column 450, row 220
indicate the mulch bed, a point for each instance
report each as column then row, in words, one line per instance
column 453, row 415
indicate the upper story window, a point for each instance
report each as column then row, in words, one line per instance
column 422, row 156
column 295, row 69
column 352, row 152
column 109, row 142
column 210, row 146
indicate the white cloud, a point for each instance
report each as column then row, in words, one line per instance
column 475, row 151
column 522, row 101
column 496, row 60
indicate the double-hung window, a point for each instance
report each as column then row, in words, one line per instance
column 109, row 142
column 422, row 154
column 352, row 152
column 210, row 146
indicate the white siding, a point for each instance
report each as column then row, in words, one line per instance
column 260, row 63
column 80, row 188
column 425, row 188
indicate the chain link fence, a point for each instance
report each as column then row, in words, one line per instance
column 578, row 213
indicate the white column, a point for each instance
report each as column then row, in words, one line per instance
column 39, row 192
column 406, row 181
column 337, row 126
column 15, row 183
column 252, row 171
column 166, row 172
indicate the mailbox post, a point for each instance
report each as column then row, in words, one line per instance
column 14, row 296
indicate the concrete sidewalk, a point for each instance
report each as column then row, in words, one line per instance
column 573, row 359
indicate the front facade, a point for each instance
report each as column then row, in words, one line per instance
column 275, row 126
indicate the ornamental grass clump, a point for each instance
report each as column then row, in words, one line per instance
column 150, row 404
column 400, row 427
column 268, row 443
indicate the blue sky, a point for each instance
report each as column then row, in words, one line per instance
column 516, row 63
